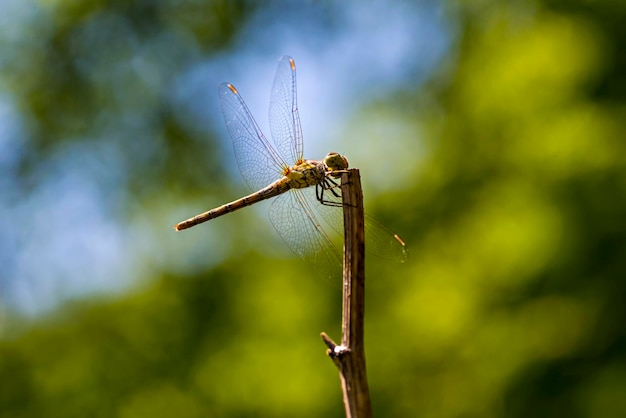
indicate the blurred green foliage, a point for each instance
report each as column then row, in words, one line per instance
column 512, row 303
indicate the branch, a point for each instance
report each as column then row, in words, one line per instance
column 349, row 356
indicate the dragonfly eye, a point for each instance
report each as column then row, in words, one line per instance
column 335, row 161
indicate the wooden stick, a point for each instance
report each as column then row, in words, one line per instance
column 349, row 357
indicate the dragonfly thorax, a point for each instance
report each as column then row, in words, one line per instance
column 307, row 173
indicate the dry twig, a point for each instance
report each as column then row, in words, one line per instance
column 349, row 356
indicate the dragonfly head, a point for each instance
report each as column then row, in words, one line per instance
column 335, row 162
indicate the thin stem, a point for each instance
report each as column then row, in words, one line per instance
column 350, row 355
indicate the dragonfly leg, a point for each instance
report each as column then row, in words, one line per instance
column 320, row 188
column 332, row 186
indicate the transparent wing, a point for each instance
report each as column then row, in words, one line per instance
column 258, row 162
column 295, row 222
column 379, row 240
column 284, row 116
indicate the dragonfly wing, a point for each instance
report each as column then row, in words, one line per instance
column 284, row 115
column 295, row 222
column 258, row 162
column 379, row 240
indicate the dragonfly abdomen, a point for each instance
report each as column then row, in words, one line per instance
column 278, row 187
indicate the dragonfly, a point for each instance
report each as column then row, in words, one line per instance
column 280, row 171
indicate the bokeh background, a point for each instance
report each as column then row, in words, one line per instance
column 490, row 136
